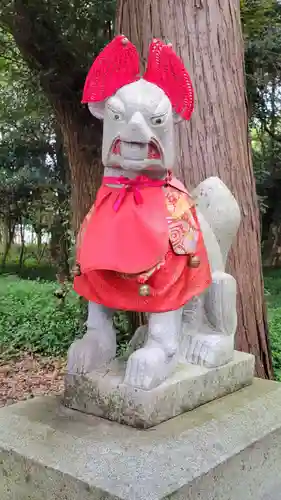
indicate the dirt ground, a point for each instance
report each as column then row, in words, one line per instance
column 30, row 376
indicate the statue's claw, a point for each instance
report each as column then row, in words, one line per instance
column 94, row 350
column 209, row 350
column 147, row 368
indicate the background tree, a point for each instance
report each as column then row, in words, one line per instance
column 208, row 37
column 34, row 178
column 262, row 34
column 58, row 39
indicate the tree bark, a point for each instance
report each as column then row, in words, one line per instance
column 22, row 244
column 272, row 247
column 60, row 238
column 82, row 137
column 9, row 232
column 207, row 35
column 271, row 229
column 39, row 241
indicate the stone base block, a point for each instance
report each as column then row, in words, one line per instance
column 102, row 393
column 224, row 450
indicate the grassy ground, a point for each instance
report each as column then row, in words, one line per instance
column 33, row 321
column 35, row 330
column 273, row 298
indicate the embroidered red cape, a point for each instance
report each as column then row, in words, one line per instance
column 153, row 227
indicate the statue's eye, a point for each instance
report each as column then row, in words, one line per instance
column 115, row 115
column 158, row 120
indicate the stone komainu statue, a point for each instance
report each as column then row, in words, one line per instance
column 148, row 244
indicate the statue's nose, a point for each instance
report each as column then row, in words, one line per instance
column 136, row 130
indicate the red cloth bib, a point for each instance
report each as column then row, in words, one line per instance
column 127, row 230
column 126, row 233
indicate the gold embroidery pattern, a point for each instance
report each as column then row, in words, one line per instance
column 183, row 229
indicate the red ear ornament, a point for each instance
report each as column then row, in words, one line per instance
column 117, row 65
column 166, row 70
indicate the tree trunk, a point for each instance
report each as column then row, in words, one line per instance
column 39, row 241
column 208, row 36
column 22, row 244
column 272, row 233
column 60, row 237
column 82, row 138
column 9, row 232
column 272, row 247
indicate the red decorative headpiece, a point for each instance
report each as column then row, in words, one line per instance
column 118, row 65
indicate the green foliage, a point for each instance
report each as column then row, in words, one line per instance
column 31, row 318
column 273, row 297
column 31, row 268
column 255, row 15
column 261, row 21
column 124, row 330
column 34, row 186
column 275, row 338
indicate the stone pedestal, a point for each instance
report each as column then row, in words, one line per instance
column 224, row 450
column 102, row 393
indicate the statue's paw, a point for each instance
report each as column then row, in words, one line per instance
column 209, row 350
column 138, row 338
column 90, row 353
column 147, row 368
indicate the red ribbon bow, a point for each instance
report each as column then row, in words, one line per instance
column 132, row 185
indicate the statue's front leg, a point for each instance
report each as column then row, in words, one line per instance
column 211, row 344
column 149, row 366
column 98, row 346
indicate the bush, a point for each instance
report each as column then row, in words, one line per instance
column 274, row 317
column 31, row 269
column 32, row 319
column 273, row 298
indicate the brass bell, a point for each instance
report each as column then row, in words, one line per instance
column 76, row 271
column 194, row 261
column 144, row 290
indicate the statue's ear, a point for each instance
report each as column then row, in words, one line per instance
column 177, row 118
column 97, row 109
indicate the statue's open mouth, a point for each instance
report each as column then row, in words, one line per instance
column 136, row 151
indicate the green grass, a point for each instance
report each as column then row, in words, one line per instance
column 32, row 319
column 273, row 297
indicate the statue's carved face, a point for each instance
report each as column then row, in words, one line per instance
column 138, row 129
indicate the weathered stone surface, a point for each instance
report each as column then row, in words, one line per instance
column 227, row 449
column 103, row 394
